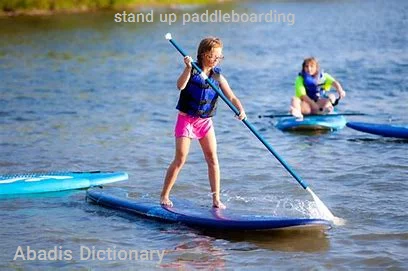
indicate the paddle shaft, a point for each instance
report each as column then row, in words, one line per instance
column 245, row 121
column 323, row 115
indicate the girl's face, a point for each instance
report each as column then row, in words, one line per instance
column 213, row 57
column 310, row 68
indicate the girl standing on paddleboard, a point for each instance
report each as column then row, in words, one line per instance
column 310, row 86
column 197, row 104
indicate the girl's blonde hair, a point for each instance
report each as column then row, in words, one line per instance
column 206, row 45
column 311, row 60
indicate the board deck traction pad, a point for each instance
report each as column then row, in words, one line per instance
column 45, row 173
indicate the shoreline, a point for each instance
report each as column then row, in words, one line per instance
column 87, row 9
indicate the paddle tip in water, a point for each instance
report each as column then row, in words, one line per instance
column 168, row 36
column 334, row 220
column 338, row 221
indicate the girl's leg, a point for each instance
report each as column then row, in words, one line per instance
column 295, row 107
column 326, row 104
column 209, row 147
column 182, row 148
column 306, row 109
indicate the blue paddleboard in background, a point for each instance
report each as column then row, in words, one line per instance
column 56, row 181
column 190, row 214
column 380, row 129
column 312, row 123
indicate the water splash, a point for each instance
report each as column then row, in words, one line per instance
column 275, row 205
column 286, row 207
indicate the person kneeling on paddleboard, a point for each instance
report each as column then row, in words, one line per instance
column 197, row 104
column 310, row 87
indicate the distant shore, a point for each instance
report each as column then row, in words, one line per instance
column 50, row 7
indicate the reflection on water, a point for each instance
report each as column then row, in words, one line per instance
column 290, row 240
column 197, row 253
column 379, row 140
column 211, row 249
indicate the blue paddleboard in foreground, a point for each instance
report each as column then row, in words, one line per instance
column 312, row 123
column 189, row 214
column 57, row 181
column 380, row 129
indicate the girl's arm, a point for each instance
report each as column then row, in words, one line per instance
column 185, row 75
column 339, row 89
column 226, row 89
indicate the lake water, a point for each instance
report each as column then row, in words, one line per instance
column 81, row 92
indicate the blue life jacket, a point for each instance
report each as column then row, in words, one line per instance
column 313, row 85
column 198, row 98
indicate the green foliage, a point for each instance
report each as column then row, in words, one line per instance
column 12, row 5
column 55, row 5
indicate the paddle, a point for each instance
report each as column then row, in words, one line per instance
column 336, row 102
column 327, row 115
column 320, row 205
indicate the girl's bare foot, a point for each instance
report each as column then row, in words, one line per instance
column 166, row 202
column 218, row 204
column 296, row 112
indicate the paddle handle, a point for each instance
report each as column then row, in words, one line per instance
column 236, row 111
column 204, row 76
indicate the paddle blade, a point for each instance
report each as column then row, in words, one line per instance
column 324, row 211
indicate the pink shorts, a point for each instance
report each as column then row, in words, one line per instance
column 192, row 127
